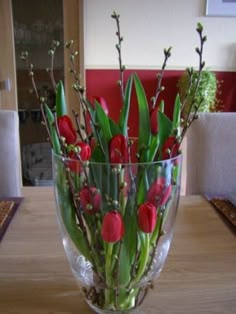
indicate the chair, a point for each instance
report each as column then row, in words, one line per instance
column 211, row 154
column 10, row 166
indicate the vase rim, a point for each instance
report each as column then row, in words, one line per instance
column 91, row 162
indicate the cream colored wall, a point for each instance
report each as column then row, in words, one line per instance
column 152, row 25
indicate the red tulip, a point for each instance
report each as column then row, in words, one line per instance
column 154, row 121
column 172, row 146
column 90, row 199
column 112, row 227
column 156, row 190
column 83, row 155
column 165, row 196
column 102, row 103
column 147, row 217
column 66, row 129
column 84, row 152
column 159, row 193
column 118, row 149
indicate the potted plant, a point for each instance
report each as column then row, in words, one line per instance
column 206, row 94
column 116, row 196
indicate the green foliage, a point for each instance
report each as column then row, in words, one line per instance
column 206, row 93
column 61, row 108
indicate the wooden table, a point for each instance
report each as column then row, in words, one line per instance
column 199, row 275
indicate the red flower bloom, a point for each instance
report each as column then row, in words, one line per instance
column 66, row 129
column 102, row 103
column 159, row 193
column 154, row 121
column 83, row 155
column 112, row 227
column 90, row 199
column 84, row 152
column 147, row 217
column 156, row 190
column 165, row 195
column 170, row 148
column 118, row 149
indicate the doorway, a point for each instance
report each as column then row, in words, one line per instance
column 36, row 26
column 35, row 36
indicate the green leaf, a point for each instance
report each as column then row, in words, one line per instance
column 123, row 122
column 61, row 109
column 76, row 234
column 51, row 124
column 154, row 146
column 128, row 247
column 162, row 106
column 103, row 123
column 65, row 205
column 176, row 114
column 144, row 119
column 115, row 129
column 165, row 127
column 97, row 154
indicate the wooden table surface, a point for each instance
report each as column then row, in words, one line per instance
column 198, row 277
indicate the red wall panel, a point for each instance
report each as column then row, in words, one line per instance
column 103, row 82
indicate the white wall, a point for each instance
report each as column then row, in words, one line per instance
column 152, row 25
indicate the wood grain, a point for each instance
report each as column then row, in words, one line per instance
column 199, row 275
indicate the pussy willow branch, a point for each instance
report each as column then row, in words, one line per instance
column 51, row 53
column 76, row 116
column 116, row 17
column 189, row 119
column 167, row 54
column 187, row 93
column 45, row 123
column 25, row 57
column 81, row 91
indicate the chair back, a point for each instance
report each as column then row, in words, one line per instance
column 10, row 166
column 211, row 154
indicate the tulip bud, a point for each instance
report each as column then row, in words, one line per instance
column 83, row 154
column 159, row 193
column 90, row 199
column 102, row 103
column 165, row 195
column 147, row 217
column 118, row 149
column 170, row 148
column 112, row 227
column 156, row 190
column 66, row 129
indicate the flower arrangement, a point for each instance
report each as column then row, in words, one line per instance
column 117, row 196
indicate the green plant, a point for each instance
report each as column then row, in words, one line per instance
column 206, row 94
column 117, row 196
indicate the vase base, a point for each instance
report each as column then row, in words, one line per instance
column 93, row 298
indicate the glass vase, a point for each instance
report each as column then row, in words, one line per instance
column 116, row 222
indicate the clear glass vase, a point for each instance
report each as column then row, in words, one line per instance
column 116, row 222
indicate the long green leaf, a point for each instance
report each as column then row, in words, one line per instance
column 128, row 248
column 51, row 124
column 103, row 123
column 123, row 122
column 176, row 114
column 165, row 127
column 144, row 119
column 115, row 129
column 61, row 108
